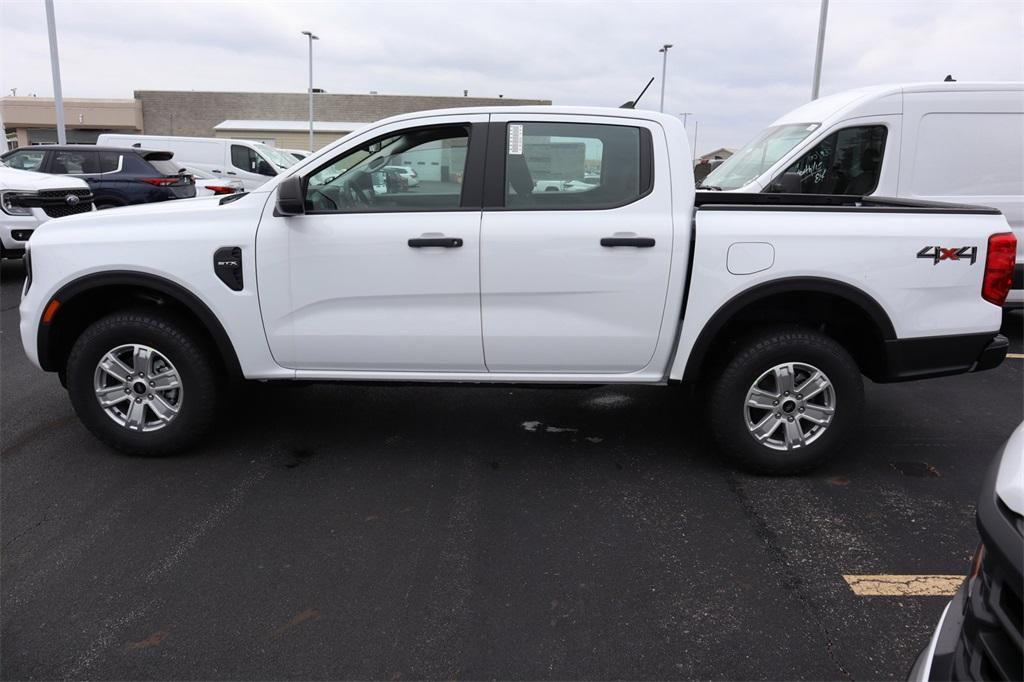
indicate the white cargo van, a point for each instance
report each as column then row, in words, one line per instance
column 947, row 141
column 251, row 162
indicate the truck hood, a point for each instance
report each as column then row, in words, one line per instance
column 1010, row 478
column 29, row 181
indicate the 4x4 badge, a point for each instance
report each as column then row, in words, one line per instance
column 940, row 253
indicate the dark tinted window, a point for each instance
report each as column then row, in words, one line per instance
column 109, row 161
column 373, row 178
column 166, row 167
column 75, row 161
column 249, row 160
column 571, row 165
column 848, row 161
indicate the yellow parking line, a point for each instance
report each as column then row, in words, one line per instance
column 904, row 585
column 1015, row 356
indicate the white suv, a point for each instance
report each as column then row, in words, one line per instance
column 29, row 199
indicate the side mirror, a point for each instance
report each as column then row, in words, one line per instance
column 290, row 198
column 264, row 168
column 787, row 183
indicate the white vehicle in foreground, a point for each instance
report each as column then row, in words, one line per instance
column 29, row 199
column 949, row 141
column 208, row 185
column 772, row 307
column 252, row 163
column 979, row 633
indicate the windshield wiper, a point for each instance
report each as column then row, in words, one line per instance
column 711, row 187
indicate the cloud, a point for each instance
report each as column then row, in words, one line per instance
column 735, row 65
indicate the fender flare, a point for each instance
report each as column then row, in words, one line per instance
column 47, row 332
column 821, row 285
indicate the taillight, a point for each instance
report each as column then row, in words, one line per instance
column 161, row 182
column 1002, row 252
column 220, row 189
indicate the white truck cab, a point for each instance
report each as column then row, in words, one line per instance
column 946, row 141
column 29, row 199
column 252, row 163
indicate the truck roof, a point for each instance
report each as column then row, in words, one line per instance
column 642, row 114
column 843, row 103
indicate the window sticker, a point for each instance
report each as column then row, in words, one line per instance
column 515, row 139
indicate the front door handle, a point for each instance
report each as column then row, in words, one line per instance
column 638, row 242
column 443, row 242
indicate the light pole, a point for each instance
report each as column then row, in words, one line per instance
column 664, row 67
column 311, row 39
column 822, row 19
column 685, row 115
column 58, row 96
column 696, row 127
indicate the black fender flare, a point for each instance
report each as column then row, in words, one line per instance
column 822, row 285
column 47, row 332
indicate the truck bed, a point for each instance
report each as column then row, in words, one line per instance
column 732, row 201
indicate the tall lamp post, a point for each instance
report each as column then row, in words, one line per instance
column 311, row 39
column 664, row 67
column 58, row 96
column 822, row 20
column 685, row 115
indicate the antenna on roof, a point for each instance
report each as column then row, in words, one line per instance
column 949, row 79
column 631, row 104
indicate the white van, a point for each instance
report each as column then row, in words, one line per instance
column 948, row 141
column 251, row 162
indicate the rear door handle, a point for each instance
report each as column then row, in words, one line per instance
column 443, row 242
column 638, row 242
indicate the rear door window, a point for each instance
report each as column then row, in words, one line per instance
column 109, row 162
column 849, row 161
column 581, row 166
column 75, row 162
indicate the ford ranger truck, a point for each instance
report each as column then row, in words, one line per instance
column 772, row 307
column 29, row 199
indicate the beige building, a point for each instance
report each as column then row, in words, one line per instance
column 32, row 120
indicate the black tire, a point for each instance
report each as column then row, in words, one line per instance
column 757, row 355
column 200, row 377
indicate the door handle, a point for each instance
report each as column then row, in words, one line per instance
column 232, row 173
column 443, row 242
column 638, row 242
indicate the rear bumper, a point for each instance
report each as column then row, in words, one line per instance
column 939, row 356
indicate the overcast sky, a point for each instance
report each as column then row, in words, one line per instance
column 736, row 65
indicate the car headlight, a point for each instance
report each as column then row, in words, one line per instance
column 11, row 208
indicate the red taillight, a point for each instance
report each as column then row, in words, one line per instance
column 161, row 182
column 1002, row 252
column 220, row 189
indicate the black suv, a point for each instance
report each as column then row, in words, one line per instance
column 117, row 176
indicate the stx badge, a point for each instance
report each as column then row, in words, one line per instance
column 940, row 253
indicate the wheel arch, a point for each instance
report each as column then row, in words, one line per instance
column 857, row 320
column 86, row 299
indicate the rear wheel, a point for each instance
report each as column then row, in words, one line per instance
column 786, row 401
column 143, row 382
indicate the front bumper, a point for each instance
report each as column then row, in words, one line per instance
column 938, row 356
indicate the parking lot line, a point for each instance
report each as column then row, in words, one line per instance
column 1015, row 356
column 904, row 585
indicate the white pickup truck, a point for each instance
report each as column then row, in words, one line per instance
column 771, row 306
column 29, row 199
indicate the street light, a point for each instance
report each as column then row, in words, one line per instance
column 58, row 97
column 664, row 66
column 311, row 39
column 685, row 115
column 822, row 20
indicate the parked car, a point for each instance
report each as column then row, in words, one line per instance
column 950, row 141
column 408, row 174
column 771, row 307
column 979, row 635
column 299, row 154
column 251, row 162
column 29, row 199
column 208, row 185
column 116, row 176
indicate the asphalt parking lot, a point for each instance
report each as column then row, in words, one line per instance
column 491, row 532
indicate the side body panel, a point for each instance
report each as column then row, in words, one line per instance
column 874, row 252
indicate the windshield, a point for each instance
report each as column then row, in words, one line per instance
column 749, row 163
column 275, row 156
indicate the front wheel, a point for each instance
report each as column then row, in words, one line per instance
column 786, row 401
column 143, row 382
